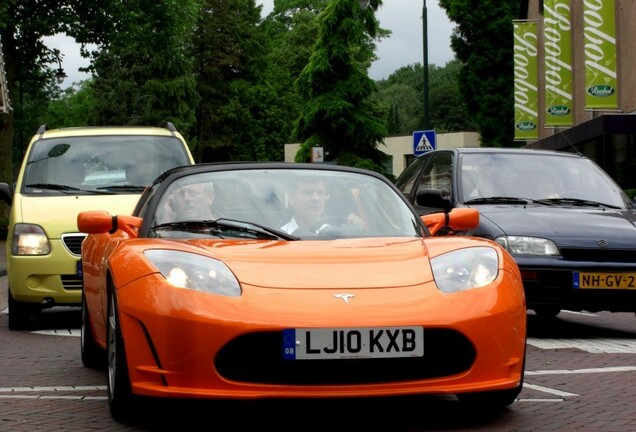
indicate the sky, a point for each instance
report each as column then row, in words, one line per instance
column 403, row 48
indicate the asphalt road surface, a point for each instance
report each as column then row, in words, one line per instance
column 580, row 375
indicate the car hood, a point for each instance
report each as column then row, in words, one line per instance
column 58, row 214
column 566, row 226
column 338, row 264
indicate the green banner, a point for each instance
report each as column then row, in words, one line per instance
column 557, row 43
column 526, row 80
column 599, row 29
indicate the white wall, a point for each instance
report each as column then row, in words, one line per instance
column 401, row 147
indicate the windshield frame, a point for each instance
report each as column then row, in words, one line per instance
column 260, row 195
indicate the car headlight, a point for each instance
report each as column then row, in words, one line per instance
column 523, row 245
column 195, row 272
column 465, row 269
column 29, row 239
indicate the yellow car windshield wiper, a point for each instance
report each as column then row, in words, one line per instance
column 64, row 188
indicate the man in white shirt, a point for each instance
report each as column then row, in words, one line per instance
column 308, row 200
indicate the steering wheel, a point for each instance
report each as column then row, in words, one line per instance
column 334, row 220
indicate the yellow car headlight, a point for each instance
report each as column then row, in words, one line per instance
column 29, row 239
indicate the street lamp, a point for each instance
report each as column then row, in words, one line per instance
column 364, row 4
column 425, row 61
column 60, row 75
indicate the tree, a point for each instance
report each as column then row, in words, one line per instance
column 229, row 57
column 482, row 42
column 73, row 107
column 402, row 92
column 338, row 114
column 144, row 68
column 448, row 110
column 22, row 26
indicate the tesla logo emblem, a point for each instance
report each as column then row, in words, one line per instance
column 345, row 297
column 602, row 243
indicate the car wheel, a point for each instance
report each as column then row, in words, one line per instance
column 93, row 356
column 547, row 312
column 21, row 315
column 120, row 397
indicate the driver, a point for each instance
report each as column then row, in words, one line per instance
column 308, row 199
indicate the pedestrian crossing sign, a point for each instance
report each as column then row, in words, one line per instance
column 424, row 141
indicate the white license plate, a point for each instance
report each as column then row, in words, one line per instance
column 352, row 343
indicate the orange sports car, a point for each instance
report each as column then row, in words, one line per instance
column 279, row 280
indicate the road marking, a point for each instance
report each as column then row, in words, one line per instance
column 580, row 313
column 582, row 371
column 52, row 389
column 593, row 345
column 60, row 332
column 548, row 390
column 44, row 392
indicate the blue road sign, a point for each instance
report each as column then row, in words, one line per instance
column 424, row 141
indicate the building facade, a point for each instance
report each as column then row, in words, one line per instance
column 606, row 135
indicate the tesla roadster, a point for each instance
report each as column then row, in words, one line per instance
column 210, row 291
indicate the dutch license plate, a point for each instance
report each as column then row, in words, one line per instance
column 352, row 343
column 593, row 280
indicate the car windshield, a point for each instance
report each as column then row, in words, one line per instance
column 552, row 180
column 288, row 204
column 99, row 164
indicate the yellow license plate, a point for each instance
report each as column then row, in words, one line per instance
column 591, row 280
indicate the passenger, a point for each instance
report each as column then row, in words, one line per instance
column 546, row 185
column 190, row 202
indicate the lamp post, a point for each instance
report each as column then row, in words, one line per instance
column 60, row 75
column 425, row 63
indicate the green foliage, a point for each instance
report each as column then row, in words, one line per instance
column 239, row 86
column 144, row 72
column 338, row 113
column 73, row 108
column 482, row 42
column 401, row 95
column 229, row 56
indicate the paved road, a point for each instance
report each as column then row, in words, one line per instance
column 580, row 374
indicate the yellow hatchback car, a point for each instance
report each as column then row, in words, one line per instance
column 66, row 171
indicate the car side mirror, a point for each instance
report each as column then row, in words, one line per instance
column 101, row 222
column 433, row 198
column 457, row 220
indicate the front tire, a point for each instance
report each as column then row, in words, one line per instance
column 120, row 398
